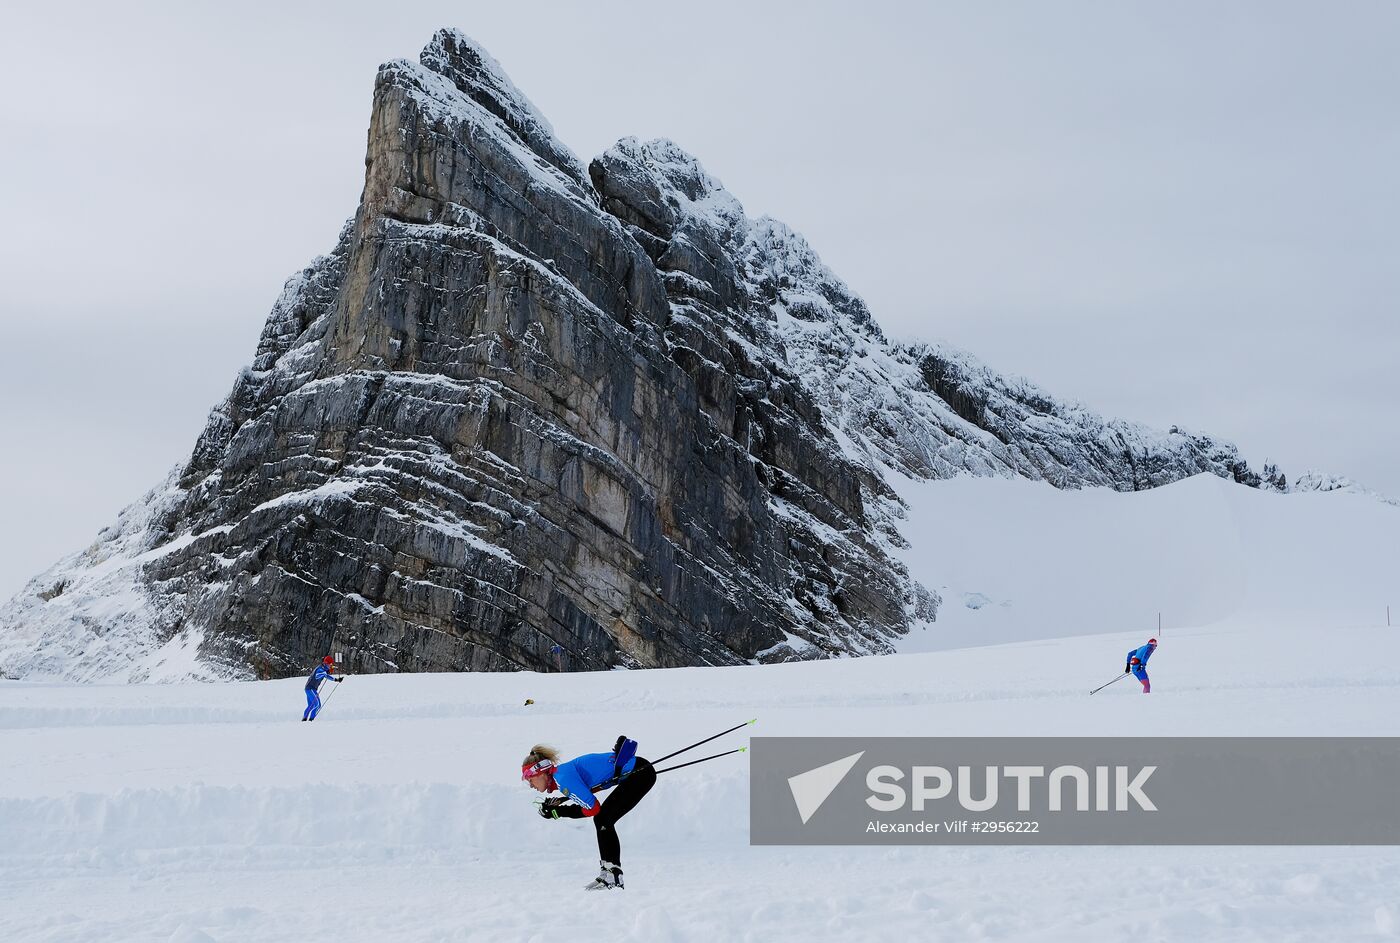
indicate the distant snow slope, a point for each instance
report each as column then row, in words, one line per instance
column 208, row 812
column 89, row 615
column 1016, row 559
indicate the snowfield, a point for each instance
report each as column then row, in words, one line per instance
column 199, row 812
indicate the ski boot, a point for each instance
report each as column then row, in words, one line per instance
column 609, row 878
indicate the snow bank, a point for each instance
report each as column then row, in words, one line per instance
column 209, row 812
column 348, row 819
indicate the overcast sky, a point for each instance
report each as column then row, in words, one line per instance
column 1174, row 212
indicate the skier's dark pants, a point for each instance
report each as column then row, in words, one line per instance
column 627, row 794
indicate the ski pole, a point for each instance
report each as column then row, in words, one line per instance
column 693, row 762
column 702, row 742
column 1102, row 686
column 328, row 699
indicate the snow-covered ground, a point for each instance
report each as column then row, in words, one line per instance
column 1016, row 559
column 207, row 812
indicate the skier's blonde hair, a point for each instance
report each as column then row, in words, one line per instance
column 540, row 752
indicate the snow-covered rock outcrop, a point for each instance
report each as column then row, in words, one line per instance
column 530, row 412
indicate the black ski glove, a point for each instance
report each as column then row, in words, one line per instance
column 340, row 679
column 1127, row 668
column 549, row 808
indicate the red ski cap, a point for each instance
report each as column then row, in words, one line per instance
column 1152, row 641
column 328, row 660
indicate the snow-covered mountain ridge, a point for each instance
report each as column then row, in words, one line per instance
column 529, row 412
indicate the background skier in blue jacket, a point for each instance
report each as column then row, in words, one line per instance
column 313, row 686
column 1137, row 663
column 577, row 779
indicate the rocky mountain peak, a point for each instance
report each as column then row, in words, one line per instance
column 477, row 75
column 657, row 186
column 528, row 414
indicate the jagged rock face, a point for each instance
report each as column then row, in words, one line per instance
column 927, row 411
column 476, row 431
column 526, row 404
column 835, row 511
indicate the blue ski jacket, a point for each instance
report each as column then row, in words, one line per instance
column 578, row 778
column 1142, row 654
column 321, row 673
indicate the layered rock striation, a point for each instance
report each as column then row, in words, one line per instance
column 529, row 413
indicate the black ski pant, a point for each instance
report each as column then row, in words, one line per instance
column 622, row 800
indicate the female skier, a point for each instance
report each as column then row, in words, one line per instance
column 1137, row 664
column 313, row 685
column 576, row 780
